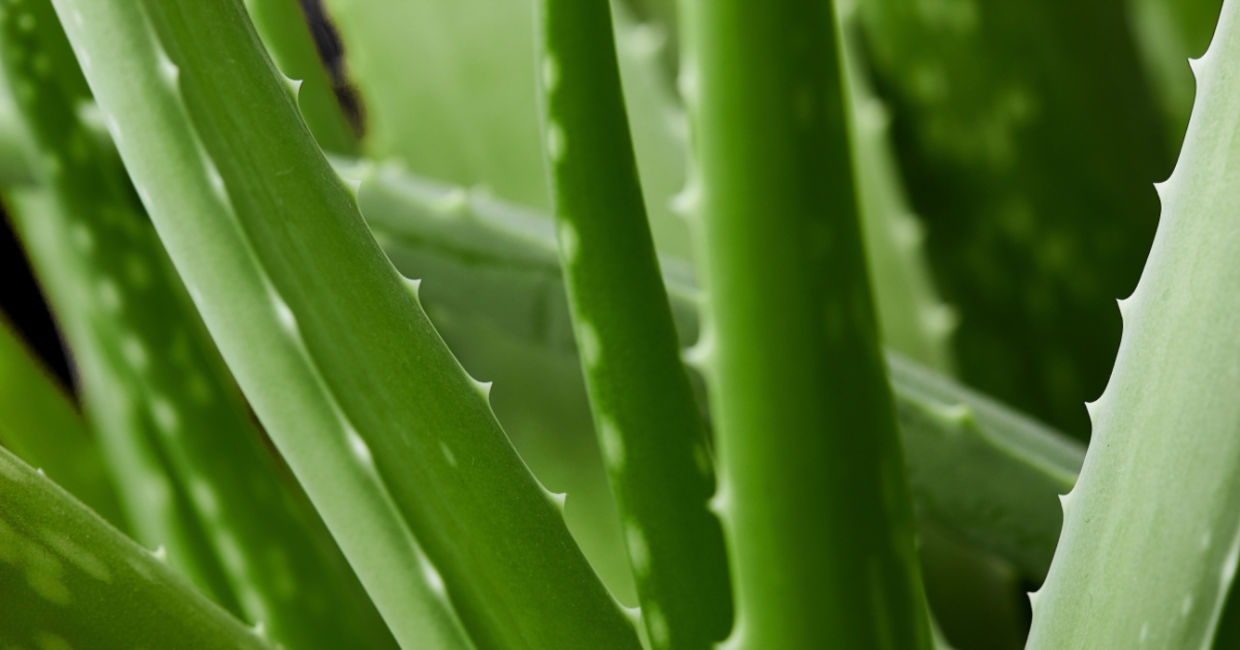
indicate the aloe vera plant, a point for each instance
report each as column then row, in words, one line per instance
column 215, row 237
column 650, row 432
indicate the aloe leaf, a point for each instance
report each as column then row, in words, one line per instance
column 369, row 375
column 802, row 409
column 985, row 99
column 258, row 536
column 283, row 28
column 1151, row 533
column 40, row 423
column 912, row 318
column 355, row 504
column 651, row 434
column 68, row 579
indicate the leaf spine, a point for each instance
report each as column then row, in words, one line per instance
column 167, row 69
column 415, row 287
column 686, row 202
column 293, row 86
column 1124, row 305
column 560, row 499
column 483, row 388
column 1161, row 189
column 720, row 502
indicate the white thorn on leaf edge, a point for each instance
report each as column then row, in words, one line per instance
column 415, row 286
column 484, row 387
column 293, row 85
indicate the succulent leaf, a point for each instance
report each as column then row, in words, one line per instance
column 1151, row 531
column 650, row 431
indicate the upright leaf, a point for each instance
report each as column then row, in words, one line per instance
column 804, row 416
column 649, row 428
column 1151, row 535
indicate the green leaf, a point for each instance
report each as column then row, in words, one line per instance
column 132, row 324
column 353, row 502
column 649, row 428
column 68, row 579
column 912, row 318
column 803, row 414
column 1151, row 533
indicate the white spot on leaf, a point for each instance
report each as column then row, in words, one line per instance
column 109, row 295
column 656, row 624
column 204, row 497
column 550, row 73
column 165, row 414
column 134, row 352
column 557, row 142
column 570, row 243
column 588, row 344
column 611, row 442
column 639, row 552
